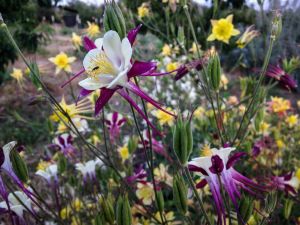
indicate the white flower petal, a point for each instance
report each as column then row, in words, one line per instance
column 223, row 153
column 89, row 59
column 112, row 48
column 96, row 83
column 127, row 51
column 99, row 43
column 203, row 162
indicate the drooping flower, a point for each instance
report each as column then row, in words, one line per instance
column 16, row 204
column 223, row 29
column 145, row 192
column 76, row 40
column 114, row 121
column 88, row 169
column 64, row 143
column 292, row 120
column 186, row 68
column 289, row 183
column 62, row 62
column 109, row 67
column 217, row 168
column 249, row 34
column 285, row 79
column 143, row 10
column 18, row 75
column 49, row 173
column 92, row 30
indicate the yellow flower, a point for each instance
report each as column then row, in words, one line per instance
column 199, row 112
column 232, row 100
column 168, row 217
column 298, row 174
column 292, row 120
column 279, row 105
column 62, row 62
column 242, row 109
column 73, row 110
column 145, row 193
column 247, row 37
column 171, row 67
column 223, row 30
column 76, row 40
column 143, row 11
column 65, row 213
column 42, row 165
column 124, row 152
column 164, row 118
column 264, row 127
column 206, row 150
column 280, row 144
column 166, row 50
column 193, row 49
column 298, row 104
column 95, row 139
column 224, row 81
column 93, row 29
column 161, row 174
column 18, row 75
column 77, row 204
column 75, row 221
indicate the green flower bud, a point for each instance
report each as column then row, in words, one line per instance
column 19, row 166
column 271, row 202
column 276, row 26
column 114, row 19
column 288, row 206
column 245, row 209
column 160, row 201
column 183, row 140
column 181, row 36
column 259, row 118
column 99, row 219
column 123, row 211
column 108, row 211
column 180, row 191
column 61, row 164
column 214, row 71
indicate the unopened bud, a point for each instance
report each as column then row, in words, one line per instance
column 214, row 71
column 99, row 219
column 123, row 211
column 108, row 210
column 276, row 26
column 160, row 201
column 62, row 163
column 114, row 19
column 246, row 207
column 180, row 192
column 288, row 206
column 19, row 166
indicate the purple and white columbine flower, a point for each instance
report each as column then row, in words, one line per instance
column 49, row 174
column 287, row 183
column 64, row 143
column 219, row 168
column 114, row 121
column 88, row 169
column 110, row 67
column 139, row 175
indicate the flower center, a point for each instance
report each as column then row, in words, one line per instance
column 100, row 64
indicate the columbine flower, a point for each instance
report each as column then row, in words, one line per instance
column 64, row 143
column 81, row 125
column 288, row 183
column 169, row 216
column 166, row 50
column 163, row 117
column 161, row 174
column 49, row 173
column 172, row 66
column 92, row 30
column 17, row 204
column 247, row 37
column 114, row 121
column 143, row 10
column 284, row 78
column 264, row 128
column 88, row 169
column 219, row 168
column 223, row 30
column 109, row 67
column 124, row 152
column 279, row 105
column 18, row 75
column 139, row 175
column 62, row 62
column 76, row 40
column 292, row 120
column 145, row 192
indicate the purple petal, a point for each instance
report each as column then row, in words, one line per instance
column 184, row 69
column 83, row 93
column 72, row 78
column 201, row 184
column 139, row 68
column 121, row 122
column 115, row 117
column 3, row 191
column 2, row 157
column 88, row 44
column 133, row 33
column 61, row 141
column 135, row 89
column 194, row 168
column 217, row 164
column 105, row 95
column 234, row 158
column 137, row 108
column 246, row 181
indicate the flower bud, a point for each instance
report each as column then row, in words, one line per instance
column 214, row 71
column 180, row 36
column 271, row 202
column 160, row 201
column 288, row 205
column 114, row 19
column 123, row 211
column 108, row 210
column 259, row 118
column 99, row 219
column 19, row 166
column 61, row 164
column 180, row 192
column 276, row 26
column 245, row 209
